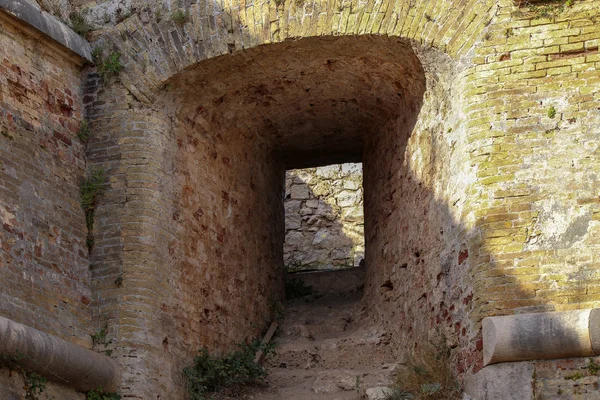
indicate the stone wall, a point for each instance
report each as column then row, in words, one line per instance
column 182, row 257
column 480, row 158
column 324, row 219
column 45, row 267
column 44, row 262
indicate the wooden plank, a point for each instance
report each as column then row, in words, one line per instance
column 265, row 341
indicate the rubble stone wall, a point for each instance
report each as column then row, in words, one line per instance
column 324, row 219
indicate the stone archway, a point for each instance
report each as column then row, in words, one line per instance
column 230, row 127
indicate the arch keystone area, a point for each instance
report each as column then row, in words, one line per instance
column 157, row 51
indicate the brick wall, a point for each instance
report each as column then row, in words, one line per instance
column 417, row 175
column 182, row 256
column 483, row 193
column 45, row 268
column 44, row 264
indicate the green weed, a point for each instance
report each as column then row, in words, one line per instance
column 593, row 367
column 79, row 24
column 84, row 132
column 210, row 374
column 99, row 394
column 180, row 17
column 111, row 66
column 574, row 377
column 33, row 383
column 89, row 190
column 100, row 336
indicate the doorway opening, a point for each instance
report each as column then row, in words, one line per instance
column 324, row 218
column 324, row 247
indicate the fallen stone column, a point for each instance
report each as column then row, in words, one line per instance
column 56, row 359
column 541, row 335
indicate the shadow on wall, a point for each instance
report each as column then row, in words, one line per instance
column 444, row 251
column 324, row 218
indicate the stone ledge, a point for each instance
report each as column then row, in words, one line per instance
column 541, row 336
column 56, row 359
column 47, row 24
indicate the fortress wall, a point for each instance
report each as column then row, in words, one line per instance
column 482, row 200
column 531, row 100
column 44, row 262
column 44, row 258
column 226, row 255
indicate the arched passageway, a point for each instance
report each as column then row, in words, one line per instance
column 236, row 123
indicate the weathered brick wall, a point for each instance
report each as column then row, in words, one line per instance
column 44, row 265
column 45, row 268
column 534, row 94
column 533, row 136
column 324, row 219
column 482, row 201
column 182, row 256
column 416, row 178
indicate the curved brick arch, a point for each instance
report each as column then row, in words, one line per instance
column 153, row 52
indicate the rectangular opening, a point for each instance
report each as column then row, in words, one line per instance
column 324, row 218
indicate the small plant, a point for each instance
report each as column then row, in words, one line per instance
column 111, row 65
column 428, row 375
column 551, row 112
column 89, row 190
column 574, row 377
column 119, row 281
column 84, row 132
column 33, row 383
column 97, row 55
column 99, row 394
column 593, row 367
column 79, row 24
column 548, row 9
column 180, row 17
column 295, row 288
column 100, row 336
column 211, row 374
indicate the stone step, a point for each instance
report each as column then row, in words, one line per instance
column 326, row 384
column 354, row 350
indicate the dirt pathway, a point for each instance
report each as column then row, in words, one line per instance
column 324, row 350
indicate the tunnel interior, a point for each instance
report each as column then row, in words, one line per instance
column 241, row 121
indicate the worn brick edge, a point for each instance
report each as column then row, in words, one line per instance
column 48, row 25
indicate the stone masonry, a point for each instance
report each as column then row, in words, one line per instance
column 476, row 123
column 324, row 219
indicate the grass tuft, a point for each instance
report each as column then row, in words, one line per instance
column 89, row 190
column 210, row 374
column 427, row 375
